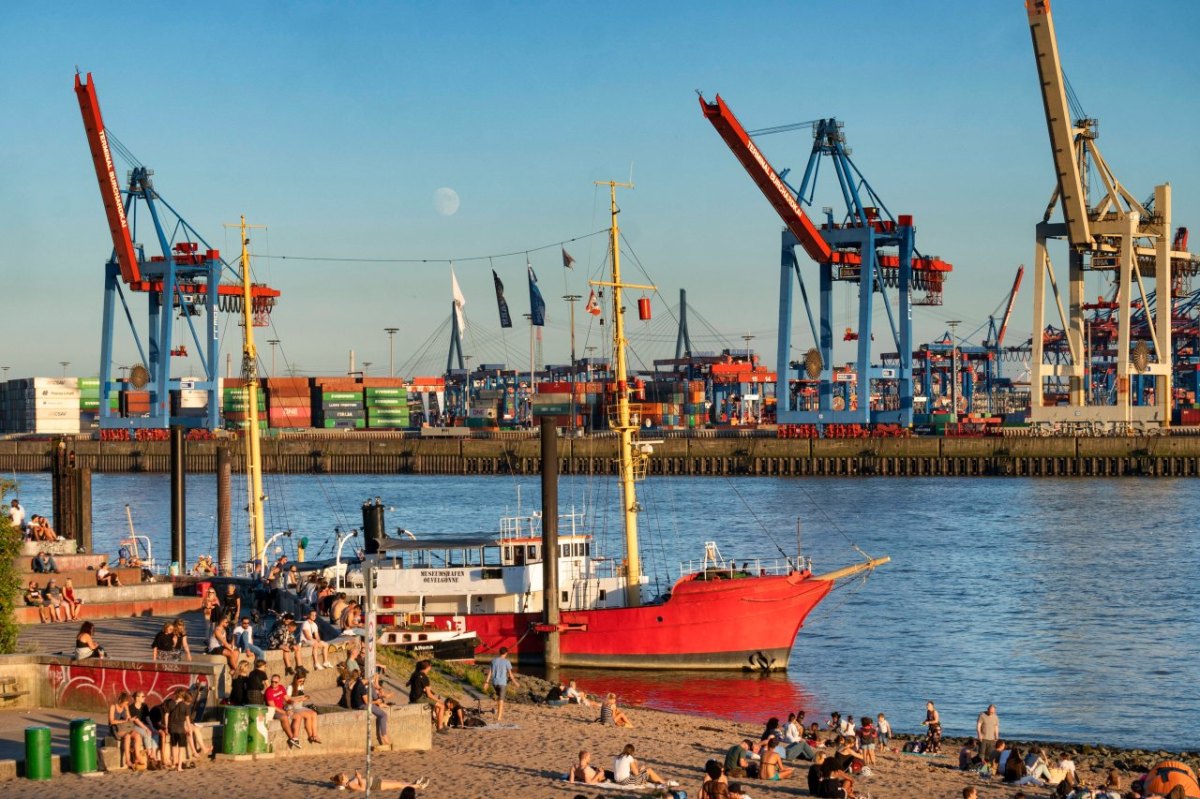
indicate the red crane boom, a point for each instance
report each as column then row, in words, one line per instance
column 106, row 175
column 767, row 180
column 1012, row 298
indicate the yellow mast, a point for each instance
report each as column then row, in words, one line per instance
column 623, row 425
column 250, row 373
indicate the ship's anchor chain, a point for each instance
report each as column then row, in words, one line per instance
column 761, row 662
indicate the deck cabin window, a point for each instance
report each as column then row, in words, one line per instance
column 492, row 557
column 532, row 552
column 456, row 557
column 474, row 556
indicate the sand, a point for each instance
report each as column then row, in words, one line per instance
column 525, row 762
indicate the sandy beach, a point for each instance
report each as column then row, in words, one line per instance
column 526, row 761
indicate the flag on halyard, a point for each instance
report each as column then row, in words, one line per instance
column 568, row 261
column 459, row 301
column 505, row 318
column 537, row 306
column 593, row 305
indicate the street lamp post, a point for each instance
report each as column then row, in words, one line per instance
column 571, row 300
column 366, row 367
column 953, row 325
column 391, row 331
column 64, row 365
column 274, row 342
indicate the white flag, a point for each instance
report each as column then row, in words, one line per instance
column 593, row 305
column 459, row 301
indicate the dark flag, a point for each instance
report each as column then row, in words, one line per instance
column 505, row 318
column 568, row 261
column 537, row 306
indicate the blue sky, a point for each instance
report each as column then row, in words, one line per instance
column 335, row 123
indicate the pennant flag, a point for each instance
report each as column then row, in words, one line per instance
column 568, row 261
column 505, row 318
column 537, row 306
column 593, row 305
column 459, row 301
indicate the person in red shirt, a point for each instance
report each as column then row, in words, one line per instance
column 277, row 699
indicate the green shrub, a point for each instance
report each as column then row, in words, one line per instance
column 10, row 584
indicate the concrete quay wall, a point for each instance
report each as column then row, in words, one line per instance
column 1171, row 455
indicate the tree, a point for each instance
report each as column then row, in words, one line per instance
column 10, row 583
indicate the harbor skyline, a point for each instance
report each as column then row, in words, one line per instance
column 391, row 134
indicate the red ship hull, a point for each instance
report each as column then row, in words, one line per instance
column 741, row 624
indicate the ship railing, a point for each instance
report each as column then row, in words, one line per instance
column 733, row 569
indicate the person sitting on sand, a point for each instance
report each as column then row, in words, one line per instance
column 578, row 697
column 627, row 771
column 583, row 770
column 456, row 714
column 1037, row 765
column 771, row 766
column 344, row 782
column 611, row 714
column 738, row 760
column 968, row 758
column 715, row 785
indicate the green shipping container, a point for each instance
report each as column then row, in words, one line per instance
column 387, row 392
column 341, row 396
column 387, row 402
column 359, row 424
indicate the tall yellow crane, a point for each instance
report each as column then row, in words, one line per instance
column 1118, row 236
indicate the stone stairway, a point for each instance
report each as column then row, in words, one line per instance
column 134, row 597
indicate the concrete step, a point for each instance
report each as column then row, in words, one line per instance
column 64, row 562
column 63, row 546
column 82, row 578
column 98, row 594
column 164, row 607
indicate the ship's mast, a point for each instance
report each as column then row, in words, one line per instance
column 622, row 424
column 250, row 374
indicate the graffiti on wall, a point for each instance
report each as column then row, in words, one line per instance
column 94, row 686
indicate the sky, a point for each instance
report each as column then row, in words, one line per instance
column 336, row 125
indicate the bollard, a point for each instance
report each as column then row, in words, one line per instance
column 257, row 733
column 37, row 753
column 83, row 746
column 234, row 731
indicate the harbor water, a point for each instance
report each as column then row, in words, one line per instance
column 1066, row 602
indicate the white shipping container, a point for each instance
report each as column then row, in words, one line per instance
column 48, row 382
column 51, row 402
column 43, row 414
column 193, row 398
column 51, row 391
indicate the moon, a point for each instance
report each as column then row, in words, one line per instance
column 445, row 200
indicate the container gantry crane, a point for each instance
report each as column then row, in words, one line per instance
column 866, row 246
column 184, row 279
column 1118, row 236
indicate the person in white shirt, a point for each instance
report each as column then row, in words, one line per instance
column 310, row 635
column 792, row 732
column 16, row 514
column 626, row 770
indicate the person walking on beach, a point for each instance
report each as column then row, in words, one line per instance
column 933, row 723
column 884, row 728
column 987, row 732
column 500, row 675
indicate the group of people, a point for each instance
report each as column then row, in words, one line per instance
column 54, row 603
column 33, row 528
column 626, row 770
column 287, row 703
column 163, row 736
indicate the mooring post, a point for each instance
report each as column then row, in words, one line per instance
column 224, row 510
column 178, row 498
column 550, row 596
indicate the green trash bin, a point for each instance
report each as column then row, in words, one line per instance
column 233, row 733
column 256, row 730
column 37, row 753
column 83, row 746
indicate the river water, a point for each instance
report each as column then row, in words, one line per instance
column 1066, row 602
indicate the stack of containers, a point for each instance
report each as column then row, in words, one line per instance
column 134, row 402
column 235, row 404
column 693, row 406
column 337, row 403
column 89, row 403
column 42, row 405
column 288, row 402
column 552, row 399
column 386, row 402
